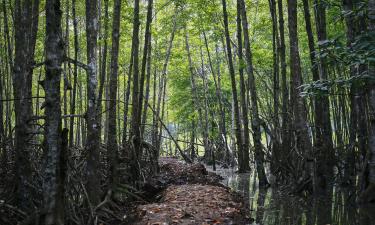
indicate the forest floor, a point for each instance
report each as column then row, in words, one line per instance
column 188, row 194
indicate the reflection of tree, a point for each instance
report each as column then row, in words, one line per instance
column 323, row 206
column 350, row 210
column 260, row 205
column 275, row 198
column 367, row 215
column 244, row 187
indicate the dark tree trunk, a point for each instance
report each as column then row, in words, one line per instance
column 285, row 132
column 300, row 126
column 54, row 48
column 234, row 90
column 147, row 45
column 112, row 146
column 26, row 20
column 126, row 102
column 147, row 95
column 75, row 75
column 323, row 146
column 276, row 87
column 135, row 132
column 244, row 102
column 103, row 70
column 93, row 138
column 255, row 124
column 358, row 110
column 369, row 193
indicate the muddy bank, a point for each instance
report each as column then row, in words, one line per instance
column 188, row 194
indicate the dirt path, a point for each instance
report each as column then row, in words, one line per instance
column 190, row 196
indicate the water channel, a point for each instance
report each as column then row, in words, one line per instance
column 276, row 207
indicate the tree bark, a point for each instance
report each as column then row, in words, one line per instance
column 93, row 138
column 26, row 20
column 285, row 127
column 257, row 136
column 299, row 124
column 103, row 69
column 135, row 137
column 54, row 48
column 323, row 145
column 75, row 75
column 236, row 109
column 276, row 86
column 244, row 102
column 147, row 45
column 112, row 146
column 368, row 194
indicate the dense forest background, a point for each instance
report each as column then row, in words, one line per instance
column 93, row 92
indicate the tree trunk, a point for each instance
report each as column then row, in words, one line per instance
column 147, row 45
column 147, row 95
column 236, row 109
column 323, row 144
column 299, row 124
column 276, row 87
column 112, row 146
column 257, row 136
column 26, row 19
column 369, row 194
column 75, row 75
column 244, row 102
column 135, row 137
column 103, row 68
column 162, row 83
column 206, row 141
column 285, row 129
column 54, row 48
column 93, row 138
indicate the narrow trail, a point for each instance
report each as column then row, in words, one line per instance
column 188, row 194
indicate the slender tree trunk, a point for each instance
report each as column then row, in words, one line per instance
column 162, row 83
column 244, row 102
column 323, row 145
column 112, row 146
column 257, row 136
column 147, row 45
column 236, row 109
column 276, row 87
column 349, row 169
column 54, row 49
column 103, row 68
column 75, row 75
column 206, row 141
column 93, row 138
column 148, row 79
column 126, row 101
column 218, row 92
column 285, row 133
column 66, row 67
column 135, row 137
column 194, row 94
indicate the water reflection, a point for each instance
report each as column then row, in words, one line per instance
column 276, row 207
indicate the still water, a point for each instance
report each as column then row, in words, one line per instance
column 277, row 207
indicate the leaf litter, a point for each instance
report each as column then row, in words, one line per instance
column 191, row 196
